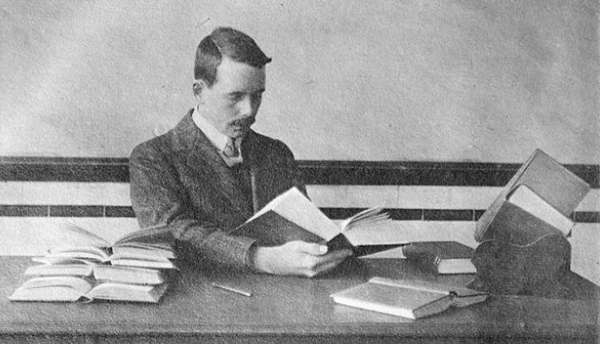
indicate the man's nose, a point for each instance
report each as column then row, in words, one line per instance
column 248, row 106
column 245, row 106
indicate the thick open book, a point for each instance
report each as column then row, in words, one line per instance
column 541, row 194
column 442, row 257
column 118, row 274
column 70, row 289
column 291, row 216
column 149, row 248
column 524, row 217
column 407, row 298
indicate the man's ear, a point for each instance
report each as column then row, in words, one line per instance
column 198, row 87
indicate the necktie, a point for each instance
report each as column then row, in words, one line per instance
column 230, row 150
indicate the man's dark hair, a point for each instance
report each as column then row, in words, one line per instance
column 225, row 41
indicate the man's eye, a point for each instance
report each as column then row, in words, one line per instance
column 236, row 97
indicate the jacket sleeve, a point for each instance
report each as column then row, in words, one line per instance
column 158, row 198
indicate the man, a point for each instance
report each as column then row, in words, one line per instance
column 211, row 172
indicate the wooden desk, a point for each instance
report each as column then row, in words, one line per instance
column 287, row 310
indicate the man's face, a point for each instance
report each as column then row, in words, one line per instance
column 232, row 102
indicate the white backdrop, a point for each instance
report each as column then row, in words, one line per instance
column 457, row 80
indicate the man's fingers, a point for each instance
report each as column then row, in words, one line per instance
column 319, row 250
column 309, row 248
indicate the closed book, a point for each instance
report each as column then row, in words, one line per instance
column 411, row 299
column 442, row 257
column 291, row 216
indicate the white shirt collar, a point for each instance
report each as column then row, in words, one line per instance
column 214, row 136
column 218, row 139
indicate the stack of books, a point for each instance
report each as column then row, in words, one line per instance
column 136, row 268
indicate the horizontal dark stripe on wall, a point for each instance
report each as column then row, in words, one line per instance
column 314, row 172
column 24, row 210
column 333, row 213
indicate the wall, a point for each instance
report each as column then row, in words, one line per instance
column 460, row 80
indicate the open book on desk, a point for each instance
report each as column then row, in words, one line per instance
column 136, row 268
column 291, row 216
column 150, row 248
column 119, row 274
column 411, row 299
column 71, row 289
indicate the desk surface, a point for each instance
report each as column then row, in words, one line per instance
column 289, row 310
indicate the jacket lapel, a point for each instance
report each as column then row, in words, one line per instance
column 207, row 164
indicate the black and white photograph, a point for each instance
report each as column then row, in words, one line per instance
column 343, row 171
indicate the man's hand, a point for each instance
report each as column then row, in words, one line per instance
column 297, row 258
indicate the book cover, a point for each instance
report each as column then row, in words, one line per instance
column 407, row 298
column 553, row 183
column 291, row 216
column 442, row 257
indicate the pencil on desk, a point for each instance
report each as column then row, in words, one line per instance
column 233, row 290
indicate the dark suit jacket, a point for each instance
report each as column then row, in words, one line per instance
column 180, row 180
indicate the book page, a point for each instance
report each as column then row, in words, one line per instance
column 295, row 207
column 159, row 236
column 458, row 292
column 127, row 292
column 81, row 270
column 526, row 199
column 83, row 252
column 79, row 284
column 366, row 217
column 382, row 233
column 413, row 284
column 91, row 238
column 147, row 252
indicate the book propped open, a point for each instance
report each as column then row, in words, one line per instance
column 547, row 182
column 291, row 216
column 526, row 199
column 524, row 217
column 407, row 298
column 71, row 289
column 149, row 248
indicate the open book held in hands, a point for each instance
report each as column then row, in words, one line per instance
column 407, row 298
column 149, row 248
column 291, row 216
